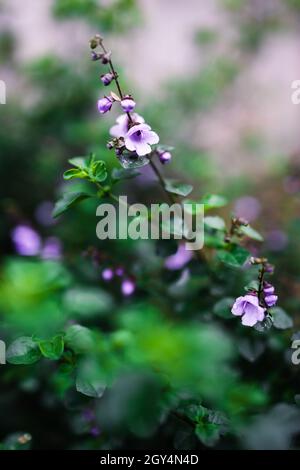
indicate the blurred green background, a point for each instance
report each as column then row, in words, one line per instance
column 213, row 78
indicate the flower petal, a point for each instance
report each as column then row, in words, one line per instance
column 238, row 307
column 152, row 138
column 142, row 148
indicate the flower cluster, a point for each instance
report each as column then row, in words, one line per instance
column 253, row 307
column 131, row 135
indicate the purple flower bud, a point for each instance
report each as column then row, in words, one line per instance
column 128, row 104
column 268, row 289
column 107, row 78
column 269, row 268
column 104, row 104
column 106, row 57
column 271, row 300
column 164, row 157
column 95, row 56
column 107, row 274
column 128, row 287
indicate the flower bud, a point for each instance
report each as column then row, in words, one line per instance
column 164, row 156
column 271, row 300
column 107, row 274
column 107, row 78
column 128, row 104
column 106, row 57
column 95, row 56
column 104, row 105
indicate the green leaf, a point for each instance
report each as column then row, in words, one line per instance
column 236, row 257
column 213, row 201
column 87, row 301
column 90, row 380
column 79, row 162
column 118, row 174
column 79, row 339
column 208, row 433
column 68, row 200
column 97, row 171
column 23, row 351
column 251, row 233
column 181, row 189
column 281, row 320
column 52, row 349
column 223, row 308
column 74, row 173
column 215, row 222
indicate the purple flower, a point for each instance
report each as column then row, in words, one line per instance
column 119, row 271
column 107, row 274
column 139, row 138
column 107, row 78
column 248, row 307
column 128, row 104
column 179, row 259
column 95, row 431
column 271, row 300
column 26, row 240
column 52, row 248
column 248, row 207
column 104, row 104
column 128, row 287
column 164, row 156
column 122, row 126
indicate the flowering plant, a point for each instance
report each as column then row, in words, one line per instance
column 145, row 346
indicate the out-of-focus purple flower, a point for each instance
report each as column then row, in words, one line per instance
column 164, row 156
column 128, row 104
column 249, row 309
column 43, row 214
column 139, row 138
column 247, row 207
column 119, row 271
column 128, row 287
column 88, row 415
column 52, row 248
column 104, row 104
column 122, row 126
column 179, row 259
column 105, row 58
column 107, row 274
column 276, row 240
column 107, row 78
column 269, row 268
column 95, row 431
column 26, row 240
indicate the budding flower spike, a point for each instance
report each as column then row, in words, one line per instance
column 254, row 306
column 104, row 104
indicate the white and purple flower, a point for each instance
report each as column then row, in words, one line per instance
column 122, row 127
column 139, row 138
column 249, row 309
